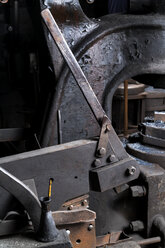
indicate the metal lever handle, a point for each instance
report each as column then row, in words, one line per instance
column 75, row 68
column 83, row 83
column 23, row 194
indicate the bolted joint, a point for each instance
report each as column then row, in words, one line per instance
column 131, row 170
column 111, row 158
column 138, row 191
column 136, row 226
column 108, row 128
column 102, row 151
column 96, row 163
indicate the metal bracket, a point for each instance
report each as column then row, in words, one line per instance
column 104, row 137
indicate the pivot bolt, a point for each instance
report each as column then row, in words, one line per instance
column 102, row 151
column 131, row 170
column 108, row 128
column 90, row 227
column 97, row 163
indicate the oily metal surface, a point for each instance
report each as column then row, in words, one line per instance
column 145, row 139
column 148, row 153
column 153, row 129
column 109, row 50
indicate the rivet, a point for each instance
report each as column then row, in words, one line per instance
column 108, row 128
column 90, row 227
column 84, row 203
column 70, row 207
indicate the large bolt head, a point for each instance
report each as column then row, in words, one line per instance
column 102, row 151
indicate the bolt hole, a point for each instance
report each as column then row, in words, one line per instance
column 76, row 177
column 78, row 241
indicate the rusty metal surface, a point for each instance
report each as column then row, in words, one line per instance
column 80, row 226
column 73, row 216
column 81, row 202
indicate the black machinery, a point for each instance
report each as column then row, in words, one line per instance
column 55, row 110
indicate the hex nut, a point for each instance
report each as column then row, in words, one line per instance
column 111, row 158
column 138, row 191
column 102, row 151
column 137, row 226
column 97, row 163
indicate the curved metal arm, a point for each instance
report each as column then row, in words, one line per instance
column 23, row 194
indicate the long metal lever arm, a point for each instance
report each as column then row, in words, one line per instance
column 73, row 65
column 83, row 83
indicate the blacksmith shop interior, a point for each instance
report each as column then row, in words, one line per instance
column 82, row 123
